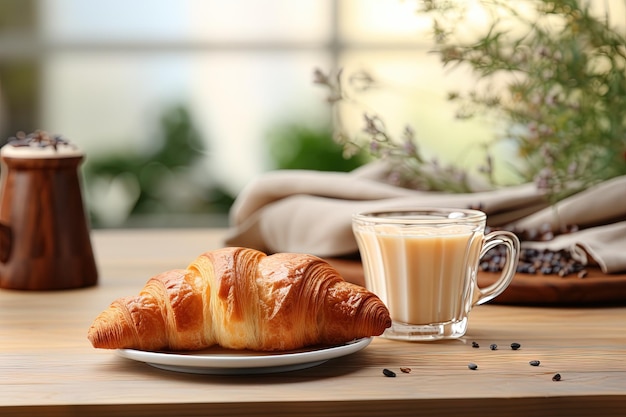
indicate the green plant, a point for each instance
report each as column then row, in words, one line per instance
column 301, row 147
column 553, row 72
column 161, row 180
column 408, row 167
column 564, row 90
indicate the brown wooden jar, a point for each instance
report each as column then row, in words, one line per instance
column 44, row 232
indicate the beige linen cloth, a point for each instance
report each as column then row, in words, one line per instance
column 310, row 212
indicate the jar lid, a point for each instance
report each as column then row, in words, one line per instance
column 39, row 145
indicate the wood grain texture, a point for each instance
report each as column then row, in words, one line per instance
column 47, row 366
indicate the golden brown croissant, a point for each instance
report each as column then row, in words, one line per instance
column 241, row 298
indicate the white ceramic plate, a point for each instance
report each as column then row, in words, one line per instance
column 223, row 361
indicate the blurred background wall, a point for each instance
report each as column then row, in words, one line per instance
column 178, row 104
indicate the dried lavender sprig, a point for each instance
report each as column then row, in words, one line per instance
column 408, row 168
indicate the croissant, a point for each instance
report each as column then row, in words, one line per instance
column 240, row 298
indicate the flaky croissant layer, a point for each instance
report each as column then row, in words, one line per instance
column 241, row 298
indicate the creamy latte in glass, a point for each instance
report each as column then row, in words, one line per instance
column 423, row 265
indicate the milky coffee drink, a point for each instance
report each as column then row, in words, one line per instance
column 423, row 265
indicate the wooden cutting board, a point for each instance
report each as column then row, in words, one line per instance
column 595, row 289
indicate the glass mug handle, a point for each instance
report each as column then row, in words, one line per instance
column 512, row 245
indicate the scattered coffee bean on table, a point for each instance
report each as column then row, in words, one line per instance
column 534, row 363
column 475, row 345
column 493, row 346
column 515, row 346
column 556, row 377
column 389, row 373
column 472, row 366
column 406, row 370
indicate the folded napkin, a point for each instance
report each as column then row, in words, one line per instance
column 311, row 212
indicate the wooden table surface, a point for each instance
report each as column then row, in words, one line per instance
column 47, row 366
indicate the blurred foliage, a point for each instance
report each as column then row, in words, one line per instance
column 168, row 179
column 558, row 80
column 408, row 167
column 549, row 76
column 301, row 147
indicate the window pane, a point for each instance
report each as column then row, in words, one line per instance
column 186, row 20
column 113, row 20
column 283, row 21
column 380, row 21
column 112, row 102
column 240, row 97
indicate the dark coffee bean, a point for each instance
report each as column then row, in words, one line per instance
column 472, row 366
column 493, row 346
column 534, row 261
column 534, row 363
column 531, row 253
column 556, row 377
column 475, row 345
column 515, row 346
column 389, row 373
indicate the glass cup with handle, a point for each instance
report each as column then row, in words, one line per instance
column 423, row 264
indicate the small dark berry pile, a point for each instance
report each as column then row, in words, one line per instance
column 38, row 138
column 535, row 261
